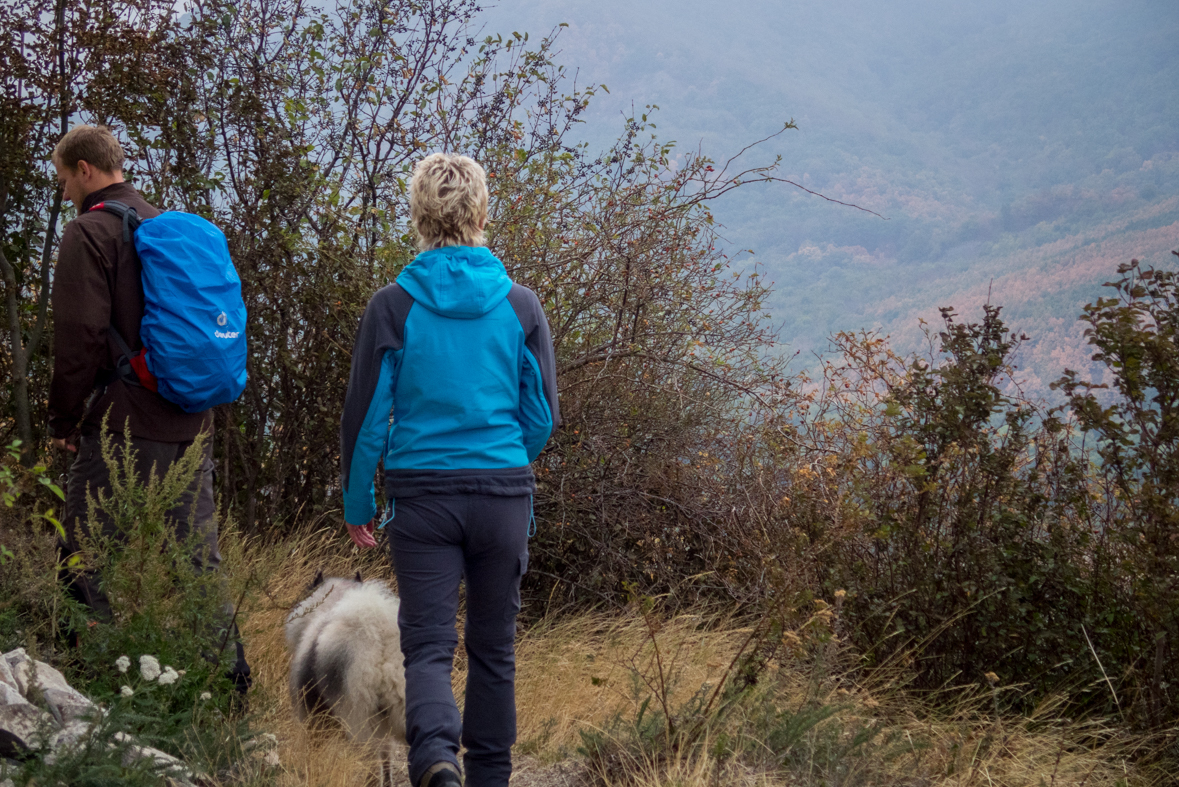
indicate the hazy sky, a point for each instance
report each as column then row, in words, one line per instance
column 856, row 69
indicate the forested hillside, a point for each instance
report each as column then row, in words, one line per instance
column 1017, row 149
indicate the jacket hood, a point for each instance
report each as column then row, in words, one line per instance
column 456, row 281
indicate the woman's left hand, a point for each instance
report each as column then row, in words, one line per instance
column 362, row 535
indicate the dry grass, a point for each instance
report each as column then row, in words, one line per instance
column 584, row 672
column 281, row 575
column 578, row 673
column 966, row 747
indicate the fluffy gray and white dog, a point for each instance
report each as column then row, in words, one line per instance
column 346, row 662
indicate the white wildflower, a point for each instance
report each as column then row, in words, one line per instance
column 149, row 667
column 123, row 663
column 126, row 691
column 169, row 676
column 206, row 696
column 182, row 672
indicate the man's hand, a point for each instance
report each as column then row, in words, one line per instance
column 62, row 444
column 362, row 535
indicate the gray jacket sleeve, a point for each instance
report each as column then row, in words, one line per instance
column 539, row 342
column 364, row 425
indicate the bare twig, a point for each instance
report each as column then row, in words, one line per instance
column 1100, row 666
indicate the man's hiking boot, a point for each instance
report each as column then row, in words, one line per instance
column 441, row 774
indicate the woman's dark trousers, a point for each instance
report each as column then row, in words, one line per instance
column 436, row 540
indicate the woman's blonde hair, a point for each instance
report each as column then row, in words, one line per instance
column 448, row 201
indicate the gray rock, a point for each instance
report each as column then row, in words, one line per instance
column 73, row 734
column 71, row 737
column 30, row 673
column 12, row 660
column 70, row 705
column 10, row 696
column 22, row 728
column 19, row 672
column 174, row 770
column 267, row 740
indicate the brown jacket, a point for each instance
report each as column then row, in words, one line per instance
column 97, row 284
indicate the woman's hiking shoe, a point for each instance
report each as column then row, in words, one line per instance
column 441, row 774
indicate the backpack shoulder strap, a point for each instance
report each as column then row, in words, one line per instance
column 120, row 341
column 130, row 367
column 130, row 217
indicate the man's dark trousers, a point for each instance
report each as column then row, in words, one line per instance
column 435, row 541
column 89, row 474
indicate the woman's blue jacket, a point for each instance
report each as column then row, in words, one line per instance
column 453, row 384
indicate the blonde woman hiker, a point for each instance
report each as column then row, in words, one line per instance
column 462, row 358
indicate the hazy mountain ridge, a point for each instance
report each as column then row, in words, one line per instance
column 1033, row 145
column 1043, row 291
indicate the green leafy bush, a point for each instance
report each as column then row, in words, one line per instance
column 158, row 666
column 17, row 480
column 972, row 549
column 977, row 533
column 29, row 529
column 1135, row 335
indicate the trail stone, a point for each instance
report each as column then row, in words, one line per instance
column 264, row 749
column 6, row 675
column 21, row 729
column 267, row 740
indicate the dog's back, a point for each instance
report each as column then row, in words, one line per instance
column 346, row 659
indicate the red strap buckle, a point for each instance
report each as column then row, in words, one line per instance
column 146, row 378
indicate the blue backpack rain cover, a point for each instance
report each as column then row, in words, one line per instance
column 194, row 320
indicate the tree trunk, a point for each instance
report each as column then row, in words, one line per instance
column 22, row 354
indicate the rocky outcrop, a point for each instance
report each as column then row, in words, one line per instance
column 36, row 680
column 23, row 725
column 22, row 728
column 40, row 713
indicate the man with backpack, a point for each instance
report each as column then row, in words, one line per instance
column 98, row 311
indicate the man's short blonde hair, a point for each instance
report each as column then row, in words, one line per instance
column 448, row 201
column 95, row 145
